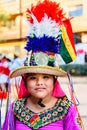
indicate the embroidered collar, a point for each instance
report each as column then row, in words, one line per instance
column 37, row 120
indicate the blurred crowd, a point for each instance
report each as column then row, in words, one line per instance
column 7, row 64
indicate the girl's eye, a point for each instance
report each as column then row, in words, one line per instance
column 32, row 78
column 45, row 77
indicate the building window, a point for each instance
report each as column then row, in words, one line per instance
column 77, row 38
column 76, row 11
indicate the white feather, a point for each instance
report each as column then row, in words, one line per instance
column 47, row 27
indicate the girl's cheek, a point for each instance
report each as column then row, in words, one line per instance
column 30, row 84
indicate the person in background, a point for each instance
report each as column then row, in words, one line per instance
column 85, row 57
column 41, row 103
column 17, row 62
column 4, row 74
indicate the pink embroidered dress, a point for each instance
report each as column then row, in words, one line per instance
column 63, row 116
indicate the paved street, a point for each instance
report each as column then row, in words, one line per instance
column 80, row 87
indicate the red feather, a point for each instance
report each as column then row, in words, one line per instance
column 52, row 9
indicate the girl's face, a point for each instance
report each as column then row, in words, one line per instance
column 40, row 85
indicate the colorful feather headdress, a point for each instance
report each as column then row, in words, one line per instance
column 50, row 30
column 49, row 34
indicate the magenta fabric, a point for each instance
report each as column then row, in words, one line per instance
column 54, row 126
column 67, row 123
column 57, row 91
column 23, row 92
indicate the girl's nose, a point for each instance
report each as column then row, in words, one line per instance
column 39, row 81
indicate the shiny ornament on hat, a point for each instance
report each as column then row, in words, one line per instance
column 41, row 58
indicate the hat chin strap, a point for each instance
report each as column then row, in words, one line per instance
column 40, row 103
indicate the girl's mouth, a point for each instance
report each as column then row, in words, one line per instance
column 39, row 88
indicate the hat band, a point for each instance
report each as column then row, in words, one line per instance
column 40, row 59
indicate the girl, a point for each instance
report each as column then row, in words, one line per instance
column 42, row 104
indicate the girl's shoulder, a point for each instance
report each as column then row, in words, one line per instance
column 19, row 101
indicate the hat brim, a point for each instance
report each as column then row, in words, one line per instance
column 38, row 69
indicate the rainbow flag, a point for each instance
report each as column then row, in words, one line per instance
column 67, row 48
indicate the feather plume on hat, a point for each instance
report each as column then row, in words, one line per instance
column 48, row 22
column 49, row 34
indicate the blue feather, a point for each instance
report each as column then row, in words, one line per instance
column 43, row 44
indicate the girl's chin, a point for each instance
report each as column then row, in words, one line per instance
column 39, row 96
